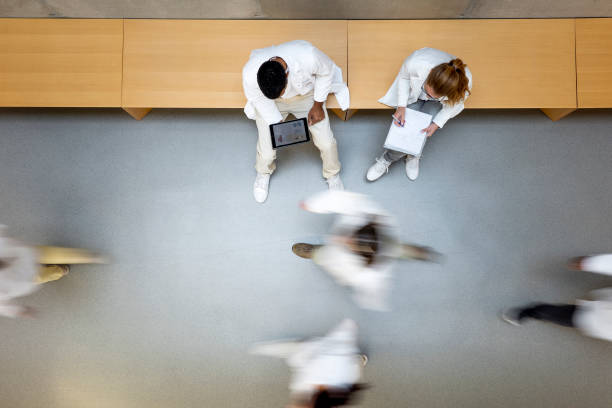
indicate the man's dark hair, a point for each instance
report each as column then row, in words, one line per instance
column 329, row 398
column 322, row 400
column 6, row 262
column 367, row 239
column 271, row 79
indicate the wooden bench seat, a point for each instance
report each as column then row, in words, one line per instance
column 60, row 63
column 198, row 63
column 556, row 65
column 594, row 62
column 514, row 63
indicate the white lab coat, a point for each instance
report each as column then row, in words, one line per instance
column 332, row 361
column 310, row 70
column 370, row 283
column 408, row 84
column 19, row 277
column 594, row 317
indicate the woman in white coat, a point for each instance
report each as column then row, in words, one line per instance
column 430, row 81
column 592, row 316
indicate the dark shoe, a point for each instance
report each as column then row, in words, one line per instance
column 304, row 250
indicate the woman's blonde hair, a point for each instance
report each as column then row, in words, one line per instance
column 449, row 79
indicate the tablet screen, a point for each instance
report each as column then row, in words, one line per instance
column 290, row 132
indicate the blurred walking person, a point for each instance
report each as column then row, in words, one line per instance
column 23, row 268
column 326, row 371
column 362, row 248
column 592, row 316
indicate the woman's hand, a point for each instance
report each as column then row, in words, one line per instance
column 431, row 129
column 400, row 114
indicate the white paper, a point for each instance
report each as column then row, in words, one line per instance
column 409, row 139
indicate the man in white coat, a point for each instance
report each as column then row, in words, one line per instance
column 592, row 316
column 429, row 81
column 363, row 246
column 292, row 78
column 331, row 363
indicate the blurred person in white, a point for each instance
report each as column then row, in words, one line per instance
column 362, row 247
column 325, row 371
column 592, row 315
column 24, row 267
column 292, row 78
column 600, row 263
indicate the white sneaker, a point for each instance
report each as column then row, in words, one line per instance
column 412, row 168
column 335, row 183
column 260, row 187
column 378, row 169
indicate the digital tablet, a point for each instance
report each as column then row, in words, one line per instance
column 290, row 132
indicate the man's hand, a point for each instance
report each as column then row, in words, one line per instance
column 400, row 115
column 316, row 113
column 431, row 129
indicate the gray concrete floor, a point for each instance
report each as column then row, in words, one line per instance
column 313, row 9
column 200, row 271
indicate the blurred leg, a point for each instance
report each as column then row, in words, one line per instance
column 559, row 314
column 421, row 253
column 49, row 255
column 280, row 349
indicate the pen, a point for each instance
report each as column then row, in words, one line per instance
column 398, row 121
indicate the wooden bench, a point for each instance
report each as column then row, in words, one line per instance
column 60, row 63
column 198, row 63
column 594, row 62
column 144, row 64
column 514, row 63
